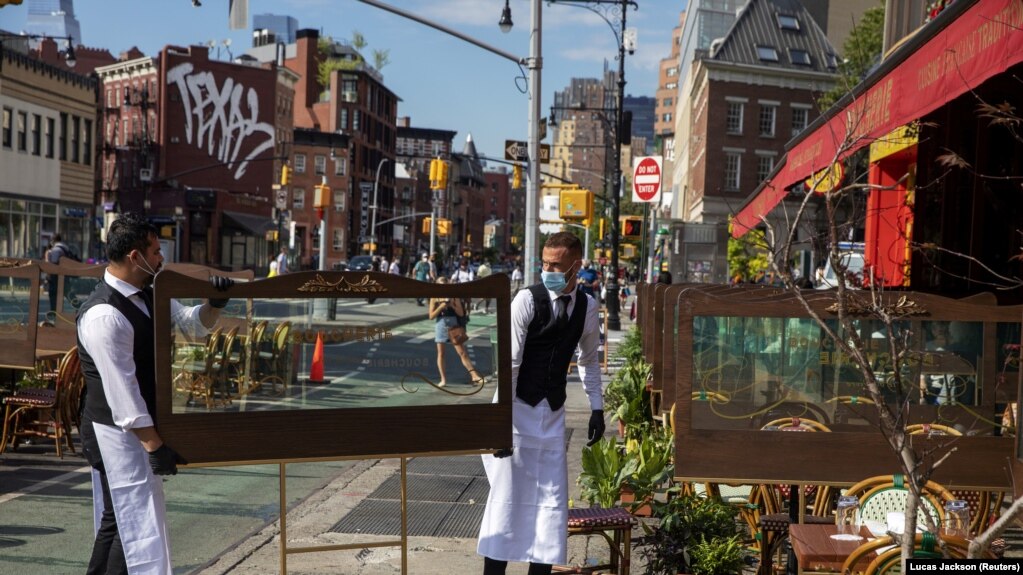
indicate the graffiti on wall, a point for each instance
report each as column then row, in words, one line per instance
column 218, row 121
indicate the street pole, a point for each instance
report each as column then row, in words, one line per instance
column 535, row 63
column 433, row 224
column 373, row 210
column 613, row 305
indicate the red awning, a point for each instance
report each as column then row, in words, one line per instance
column 985, row 40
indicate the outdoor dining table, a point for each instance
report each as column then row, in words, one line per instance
column 817, row 551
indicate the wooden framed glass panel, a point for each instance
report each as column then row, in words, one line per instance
column 774, row 361
column 19, row 313
column 306, row 366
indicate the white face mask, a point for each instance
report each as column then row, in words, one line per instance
column 148, row 269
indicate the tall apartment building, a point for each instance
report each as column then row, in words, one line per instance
column 280, row 28
column 414, row 149
column 643, row 110
column 584, row 120
column 47, row 155
column 666, row 98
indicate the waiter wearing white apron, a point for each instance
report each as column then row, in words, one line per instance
column 526, row 518
column 119, row 439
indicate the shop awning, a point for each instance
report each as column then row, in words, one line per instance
column 255, row 225
column 965, row 45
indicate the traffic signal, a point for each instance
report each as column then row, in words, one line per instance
column 285, row 171
column 632, row 227
column 516, row 177
column 321, row 196
column 426, row 224
column 438, row 174
column 443, row 227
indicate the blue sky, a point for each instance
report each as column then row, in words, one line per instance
column 443, row 82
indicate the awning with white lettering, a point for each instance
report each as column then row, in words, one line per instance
column 967, row 44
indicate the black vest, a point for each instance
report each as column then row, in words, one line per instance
column 548, row 350
column 96, row 407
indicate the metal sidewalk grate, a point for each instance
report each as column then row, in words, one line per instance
column 469, row 465
column 425, row 519
column 476, row 492
column 440, row 488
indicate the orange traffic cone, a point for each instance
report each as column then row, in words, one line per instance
column 316, row 369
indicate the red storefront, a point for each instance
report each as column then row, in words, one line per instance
column 922, row 103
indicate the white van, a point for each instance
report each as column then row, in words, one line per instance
column 853, row 262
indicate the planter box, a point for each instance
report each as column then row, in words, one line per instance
column 628, row 499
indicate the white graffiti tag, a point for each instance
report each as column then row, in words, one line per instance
column 218, row 117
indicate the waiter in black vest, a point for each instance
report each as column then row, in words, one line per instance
column 526, row 518
column 119, row 437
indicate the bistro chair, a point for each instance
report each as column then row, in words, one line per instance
column 889, row 554
column 272, row 366
column 197, row 373
column 930, row 429
column 44, row 412
column 883, row 494
column 228, row 365
column 772, row 528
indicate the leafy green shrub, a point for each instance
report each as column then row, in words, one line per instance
column 652, row 453
column 605, row 469
column 627, row 398
column 686, row 521
column 717, row 556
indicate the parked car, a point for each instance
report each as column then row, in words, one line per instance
column 361, row 264
column 340, row 266
column 853, row 262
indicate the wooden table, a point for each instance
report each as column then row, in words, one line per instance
column 816, row 551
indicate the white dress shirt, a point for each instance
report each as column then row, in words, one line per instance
column 522, row 309
column 109, row 338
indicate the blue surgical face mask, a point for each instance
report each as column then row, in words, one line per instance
column 554, row 281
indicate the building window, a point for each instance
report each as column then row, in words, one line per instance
column 788, row 22
column 671, row 86
column 733, row 120
column 50, row 127
column 764, row 166
column 62, row 146
column 436, row 149
column 76, row 126
column 37, row 135
column 339, row 239
column 666, row 117
column 356, row 120
column 22, row 131
column 767, row 116
column 343, row 120
column 8, row 127
column 339, row 201
column 733, row 169
column 799, row 57
column 340, row 166
column 299, row 163
column 320, row 164
column 87, row 143
column 800, row 118
column 298, row 198
column 110, row 98
column 666, row 102
column 767, row 54
column 832, row 61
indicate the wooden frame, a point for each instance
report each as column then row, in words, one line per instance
column 18, row 348
column 332, row 433
column 835, row 458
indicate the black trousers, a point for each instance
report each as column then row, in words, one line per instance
column 495, row 567
column 107, row 552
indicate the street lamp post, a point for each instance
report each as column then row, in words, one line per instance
column 373, row 210
column 69, row 54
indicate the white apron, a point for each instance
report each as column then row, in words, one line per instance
column 526, row 518
column 137, row 495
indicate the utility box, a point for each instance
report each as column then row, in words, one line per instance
column 576, row 204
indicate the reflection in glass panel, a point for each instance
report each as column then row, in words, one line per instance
column 14, row 308
column 264, row 356
column 751, row 370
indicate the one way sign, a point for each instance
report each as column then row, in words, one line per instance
column 518, row 151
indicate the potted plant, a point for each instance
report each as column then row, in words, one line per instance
column 653, row 456
column 628, row 399
column 604, row 469
column 696, row 535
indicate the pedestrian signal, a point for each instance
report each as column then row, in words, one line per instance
column 632, row 227
column 516, row 177
column 285, row 173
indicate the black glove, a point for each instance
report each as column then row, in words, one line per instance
column 221, row 283
column 164, row 461
column 596, row 430
column 502, row 453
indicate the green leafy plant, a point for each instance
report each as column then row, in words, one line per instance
column 717, row 556
column 686, row 521
column 631, row 347
column 652, row 454
column 32, row 379
column 605, row 469
column 627, row 397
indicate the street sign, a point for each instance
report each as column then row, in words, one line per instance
column 518, row 151
column 282, row 199
column 646, row 179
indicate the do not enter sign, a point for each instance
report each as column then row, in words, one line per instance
column 646, row 179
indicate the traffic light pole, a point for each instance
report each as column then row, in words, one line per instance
column 613, row 304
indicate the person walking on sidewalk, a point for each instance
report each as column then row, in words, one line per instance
column 422, row 273
column 481, row 272
column 119, row 438
column 450, row 313
column 526, row 518
column 464, row 273
column 282, row 261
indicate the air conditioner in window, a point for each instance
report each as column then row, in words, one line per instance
column 146, row 175
column 349, row 96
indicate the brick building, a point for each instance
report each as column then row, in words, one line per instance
column 415, row 148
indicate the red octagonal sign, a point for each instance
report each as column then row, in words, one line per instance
column 646, row 180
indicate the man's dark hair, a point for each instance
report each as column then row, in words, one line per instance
column 57, row 238
column 130, row 231
column 566, row 240
column 664, row 278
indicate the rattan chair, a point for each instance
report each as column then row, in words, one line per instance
column 196, row 376
column 883, row 494
column 42, row 412
column 888, row 557
column 272, row 366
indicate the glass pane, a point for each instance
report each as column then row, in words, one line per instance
column 262, row 356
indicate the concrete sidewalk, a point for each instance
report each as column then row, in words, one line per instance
column 310, row 523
